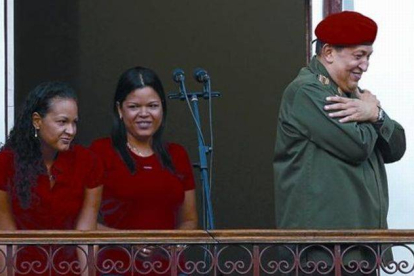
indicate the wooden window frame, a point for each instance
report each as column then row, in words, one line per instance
column 329, row 7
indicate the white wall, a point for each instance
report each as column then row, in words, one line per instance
column 6, row 71
column 391, row 78
column 2, row 76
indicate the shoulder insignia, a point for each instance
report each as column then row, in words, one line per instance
column 324, row 80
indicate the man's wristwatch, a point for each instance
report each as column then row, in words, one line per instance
column 381, row 116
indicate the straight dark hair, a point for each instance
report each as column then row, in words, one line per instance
column 132, row 79
column 28, row 159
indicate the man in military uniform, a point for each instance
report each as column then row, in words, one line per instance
column 333, row 138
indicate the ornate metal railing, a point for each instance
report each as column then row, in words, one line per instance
column 219, row 252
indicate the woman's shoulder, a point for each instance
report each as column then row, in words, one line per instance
column 174, row 148
column 183, row 164
column 178, row 153
column 81, row 153
column 6, row 154
column 87, row 164
column 104, row 142
column 102, row 146
column 7, row 167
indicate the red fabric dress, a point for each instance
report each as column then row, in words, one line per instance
column 55, row 208
column 148, row 199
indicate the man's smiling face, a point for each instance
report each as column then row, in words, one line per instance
column 348, row 64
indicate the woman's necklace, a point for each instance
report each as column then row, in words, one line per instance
column 49, row 167
column 138, row 152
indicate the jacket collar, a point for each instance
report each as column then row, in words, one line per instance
column 316, row 67
column 63, row 162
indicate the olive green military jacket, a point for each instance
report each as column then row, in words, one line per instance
column 330, row 175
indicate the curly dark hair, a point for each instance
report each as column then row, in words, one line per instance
column 136, row 78
column 28, row 161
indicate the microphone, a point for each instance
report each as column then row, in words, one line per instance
column 201, row 75
column 178, row 75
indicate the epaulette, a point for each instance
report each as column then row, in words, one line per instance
column 324, row 80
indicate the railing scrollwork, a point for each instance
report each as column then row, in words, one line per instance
column 219, row 252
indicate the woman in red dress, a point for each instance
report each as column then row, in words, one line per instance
column 149, row 184
column 46, row 182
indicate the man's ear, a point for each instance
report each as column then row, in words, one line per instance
column 36, row 120
column 327, row 53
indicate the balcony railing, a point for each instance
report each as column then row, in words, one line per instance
column 218, row 252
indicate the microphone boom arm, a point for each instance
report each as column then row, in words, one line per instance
column 203, row 149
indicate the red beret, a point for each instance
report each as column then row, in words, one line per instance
column 347, row 28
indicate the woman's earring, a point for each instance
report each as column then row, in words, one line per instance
column 35, row 134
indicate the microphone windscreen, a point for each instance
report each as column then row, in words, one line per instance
column 178, row 75
column 200, row 75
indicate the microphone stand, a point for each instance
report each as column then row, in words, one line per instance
column 203, row 150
